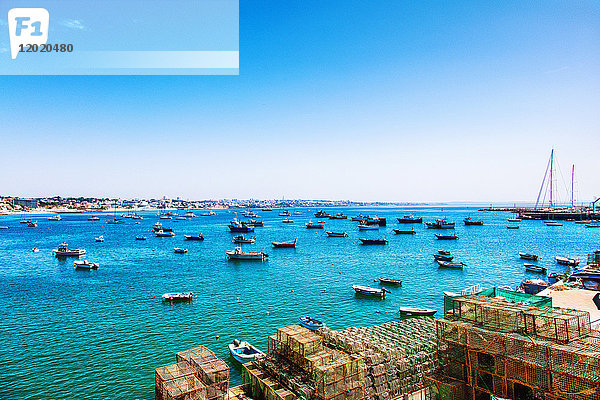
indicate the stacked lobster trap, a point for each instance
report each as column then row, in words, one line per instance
column 197, row 375
column 380, row 362
column 490, row 347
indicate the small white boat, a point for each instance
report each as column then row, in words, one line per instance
column 414, row 312
column 368, row 227
column 32, row 224
column 3, row 227
column 553, row 224
column 244, row 352
column 161, row 233
column 567, row 261
column 515, row 220
column 173, row 297
column 140, row 238
column 535, row 268
column 87, row 265
column 336, row 234
column 99, row 239
column 63, row 251
column 179, row 250
column 55, row 218
column 93, row 219
column 288, row 221
column 369, row 291
column 35, row 250
column 238, row 254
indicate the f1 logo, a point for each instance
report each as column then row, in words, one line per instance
column 27, row 26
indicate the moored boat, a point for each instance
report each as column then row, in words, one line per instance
column 161, row 233
column 514, row 220
column 512, row 227
column 404, row 232
column 389, row 281
column 566, row 261
column 93, row 219
column 336, row 234
column 440, row 224
column 553, row 224
column 443, row 257
column 242, row 239
column 318, row 225
column 322, row 214
column 447, row 264
column 140, row 238
column 527, row 256
column 285, row 213
column 416, row 312
column 87, row 265
column 174, row 297
column 310, row 323
column 358, row 218
column 373, row 241
column 64, row 251
column 99, row 239
column 535, row 268
column 410, row 219
column 55, row 218
column 194, row 237
column 471, row 222
column 289, row 244
column 369, row 291
column 365, row 227
column 444, row 252
column 179, row 250
column 238, row 254
column 288, row 221
column 243, row 352
column 446, row 237
column 338, row 216
column 32, row 224
column 239, row 227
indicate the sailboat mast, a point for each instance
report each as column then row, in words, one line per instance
column 572, row 184
column 551, row 178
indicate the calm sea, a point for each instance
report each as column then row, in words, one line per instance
column 69, row 334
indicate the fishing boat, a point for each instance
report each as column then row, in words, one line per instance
column 389, row 281
column 35, row 250
column 175, row 297
column 194, row 237
column 336, row 234
column 533, row 286
column 512, row 227
column 446, row 237
column 404, row 232
column 358, row 218
column 242, row 239
column 99, row 239
column 595, row 225
column 253, row 223
column 32, row 224
column 161, row 233
column 115, row 220
column 55, row 218
column 266, row 209
column 64, row 251
column 297, row 212
column 373, row 241
column 440, row 224
column 535, row 268
column 179, row 250
column 140, row 238
column 527, row 256
column 238, row 254
column 87, row 265
column 470, row 222
column 553, row 224
column 310, row 323
column 244, row 352
column 285, row 213
column 288, row 221
column 318, row 225
column 365, row 227
column 3, row 227
column 514, row 220
column 93, row 219
column 239, row 227
column 208, row 214
column 443, row 257
column 416, row 312
column 566, row 261
column 446, row 264
column 410, row 219
column 338, row 216
column 322, row 214
column 158, row 227
column 369, row 291
column 289, row 244
column 25, row 221
column 444, row 252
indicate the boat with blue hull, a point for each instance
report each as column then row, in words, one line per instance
column 440, row 224
column 244, row 352
column 409, row 219
column 310, row 323
column 239, row 227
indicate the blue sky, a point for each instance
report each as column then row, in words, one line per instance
column 362, row 100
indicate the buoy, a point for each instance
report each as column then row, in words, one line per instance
column 217, row 337
column 292, row 290
column 267, row 313
column 154, row 296
column 324, row 290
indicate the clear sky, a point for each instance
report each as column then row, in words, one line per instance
column 361, row 100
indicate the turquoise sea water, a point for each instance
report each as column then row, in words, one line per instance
column 99, row 335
